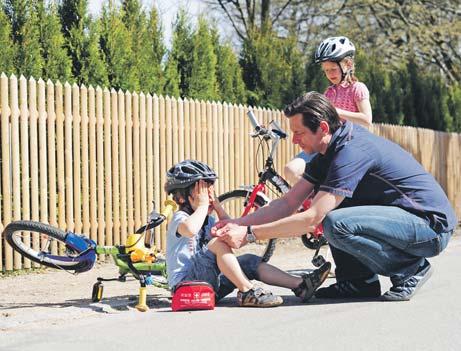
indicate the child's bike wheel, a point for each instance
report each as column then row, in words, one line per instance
column 39, row 242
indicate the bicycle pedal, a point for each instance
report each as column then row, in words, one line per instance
column 318, row 261
column 96, row 294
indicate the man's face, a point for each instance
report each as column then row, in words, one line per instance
column 303, row 136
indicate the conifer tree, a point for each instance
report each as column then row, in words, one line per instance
column 203, row 83
column 82, row 36
column 180, row 56
column 7, row 52
column 229, row 75
column 24, row 21
column 146, row 45
column 151, row 71
column 172, row 78
column 454, row 106
column 115, row 42
column 57, row 63
column 268, row 70
column 294, row 86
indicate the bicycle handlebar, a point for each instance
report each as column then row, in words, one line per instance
column 272, row 133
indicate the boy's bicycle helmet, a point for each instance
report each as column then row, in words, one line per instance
column 186, row 173
column 334, row 49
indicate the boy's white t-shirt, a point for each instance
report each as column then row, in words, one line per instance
column 180, row 249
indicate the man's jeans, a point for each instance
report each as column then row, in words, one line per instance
column 380, row 239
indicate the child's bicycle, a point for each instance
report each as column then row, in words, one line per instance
column 251, row 197
column 75, row 252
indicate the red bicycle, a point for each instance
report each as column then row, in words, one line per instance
column 249, row 198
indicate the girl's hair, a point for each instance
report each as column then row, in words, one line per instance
column 349, row 75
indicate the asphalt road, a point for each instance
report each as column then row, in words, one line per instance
column 64, row 321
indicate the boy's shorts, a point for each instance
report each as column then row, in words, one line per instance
column 204, row 267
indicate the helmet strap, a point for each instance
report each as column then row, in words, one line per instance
column 343, row 74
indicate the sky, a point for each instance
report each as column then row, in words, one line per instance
column 167, row 9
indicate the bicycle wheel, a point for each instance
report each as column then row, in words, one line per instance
column 18, row 236
column 234, row 203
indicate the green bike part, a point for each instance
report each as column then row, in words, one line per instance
column 142, row 267
column 107, row 250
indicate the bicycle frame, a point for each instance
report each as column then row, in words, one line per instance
column 269, row 174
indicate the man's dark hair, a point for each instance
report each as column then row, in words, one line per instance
column 314, row 107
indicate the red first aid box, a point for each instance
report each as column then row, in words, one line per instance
column 193, row 295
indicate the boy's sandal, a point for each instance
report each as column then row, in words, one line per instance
column 311, row 282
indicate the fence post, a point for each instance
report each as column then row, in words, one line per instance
column 107, row 168
column 100, row 167
column 116, row 146
column 149, row 153
column 34, row 165
column 93, row 164
column 15, row 161
column 136, row 162
column 85, row 145
column 60, row 160
column 25, row 176
column 43, row 150
column 122, row 166
column 51, row 134
column 158, row 185
column 77, row 167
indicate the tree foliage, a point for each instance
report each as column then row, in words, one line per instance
column 408, row 52
column 272, row 69
column 203, row 82
column 7, row 45
column 179, row 57
column 25, row 29
column 57, row 64
column 82, row 43
column 115, row 42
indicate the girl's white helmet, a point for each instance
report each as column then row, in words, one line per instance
column 334, row 49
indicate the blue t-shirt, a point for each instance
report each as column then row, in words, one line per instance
column 369, row 170
column 181, row 249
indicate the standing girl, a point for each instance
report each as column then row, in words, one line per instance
column 350, row 97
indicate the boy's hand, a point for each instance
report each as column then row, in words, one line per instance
column 200, row 196
column 215, row 204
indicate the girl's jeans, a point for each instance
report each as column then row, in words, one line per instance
column 385, row 240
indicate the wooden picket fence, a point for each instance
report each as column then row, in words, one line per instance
column 93, row 160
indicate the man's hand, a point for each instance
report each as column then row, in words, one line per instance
column 221, row 223
column 231, row 233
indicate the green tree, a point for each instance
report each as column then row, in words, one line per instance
column 172, row 78
column 115, row 42
column 26, row 36
column 57, row 63
column 270, row 64
column 146, row 44
column 203, row 84
column 6, row 43
column 454, row 106
column 82, row 43
column 151, row 71
column 180, row 56
column 231, row 87
column 229, row 75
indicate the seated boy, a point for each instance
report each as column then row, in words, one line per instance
column 193, row 255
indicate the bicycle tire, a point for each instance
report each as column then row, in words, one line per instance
column 265, row 248
column 66, row 262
